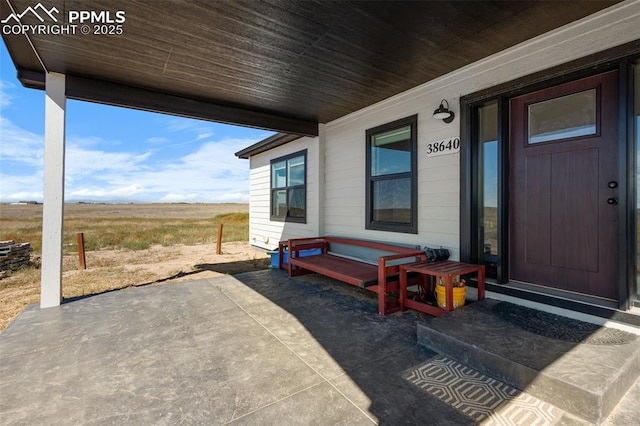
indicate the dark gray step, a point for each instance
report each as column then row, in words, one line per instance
column 578, row 367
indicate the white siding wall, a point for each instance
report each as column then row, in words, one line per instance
column 438, row 177
column 266, row 233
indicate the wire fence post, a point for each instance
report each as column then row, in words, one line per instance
column 219, row 240
column 81, row 257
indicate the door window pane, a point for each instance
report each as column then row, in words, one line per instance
column 564, row 117
column 392, row 200
column 391, row 152
column 637, row 134
column 490, row 169
column 488, row 150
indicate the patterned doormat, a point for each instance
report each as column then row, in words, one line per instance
column 559, row 327
column 483, row 399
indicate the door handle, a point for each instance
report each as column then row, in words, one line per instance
column 612, row 201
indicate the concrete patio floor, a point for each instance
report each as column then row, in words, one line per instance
column 255, row 348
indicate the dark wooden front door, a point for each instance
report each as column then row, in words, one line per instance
column 563, row 190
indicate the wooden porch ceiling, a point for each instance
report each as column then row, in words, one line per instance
column 280, row 65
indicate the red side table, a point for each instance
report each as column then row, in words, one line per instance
column 446, row 269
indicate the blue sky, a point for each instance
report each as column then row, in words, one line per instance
column 119, row 154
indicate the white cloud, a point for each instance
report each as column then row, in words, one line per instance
column 5, row 96
column 19, row 145
column 118, row 192
column 205, row 135
column 157, row 140
column 177, row 124
column 86, row 141
column 177, row 198
column 24, row 196
column 83, row 162
column 231, row 197
column 208, row 171
column 24, row 186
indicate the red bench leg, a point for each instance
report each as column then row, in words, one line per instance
column 382, row 288
column 403, row 289
column 382, row 299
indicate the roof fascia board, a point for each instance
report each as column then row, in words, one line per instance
column 109, row 93
column 90, row 90
column 20, row 48
column 20, row 51
column 32, row 79
column 267, row 144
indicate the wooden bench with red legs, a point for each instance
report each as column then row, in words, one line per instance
column 380, row 278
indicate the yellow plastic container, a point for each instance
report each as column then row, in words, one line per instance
column 459, row 294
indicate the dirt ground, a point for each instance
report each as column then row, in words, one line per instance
column 181, row 263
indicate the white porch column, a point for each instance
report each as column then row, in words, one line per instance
column 53, row 208
column 320, row 178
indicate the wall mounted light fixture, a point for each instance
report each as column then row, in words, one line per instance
column 444, row 114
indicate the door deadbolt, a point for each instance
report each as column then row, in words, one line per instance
column 612, row 201
column 613, row 184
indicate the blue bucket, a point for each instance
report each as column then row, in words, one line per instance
column 303, row 253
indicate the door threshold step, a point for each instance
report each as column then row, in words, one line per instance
column 581, row 368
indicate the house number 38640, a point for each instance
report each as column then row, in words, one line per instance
column 443, row 147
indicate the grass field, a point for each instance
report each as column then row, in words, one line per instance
column 119, row 240
column 129, row 226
